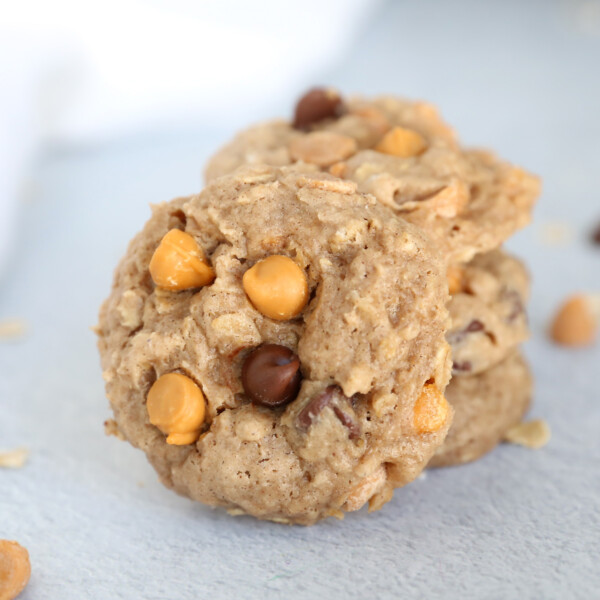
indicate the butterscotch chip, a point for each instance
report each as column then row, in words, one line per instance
column 322, row 148
column 277, row 287
column 177, row 407
column 531, row 434
column 402, row 142
column 15, row 569
column 455, row 276
column 575, row 323
column 178, row 263
column 338, row 169
column 431, row 410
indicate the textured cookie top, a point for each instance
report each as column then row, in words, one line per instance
column 402, row 152
column 370, row 340
column 487, row 309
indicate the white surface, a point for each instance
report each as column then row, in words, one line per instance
column 517, row 524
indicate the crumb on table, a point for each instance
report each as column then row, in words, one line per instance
column 14, row 459
column 11, row 329
column 530, row 434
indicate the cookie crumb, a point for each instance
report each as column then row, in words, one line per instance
column 531, row 434
column 111, row 428
column 14, row 459
column 555, row 234
column 11, row 329
column 575, row 323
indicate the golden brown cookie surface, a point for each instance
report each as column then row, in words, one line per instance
column 305, row 415
column 402, row 152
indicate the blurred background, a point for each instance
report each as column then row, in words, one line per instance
column 78, row 77
column 106, row 107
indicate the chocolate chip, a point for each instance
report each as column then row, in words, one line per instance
column 271, row 375
column 317, row 104
column 474, row 325
column 595, row 237
column 328, row 396
column 348, row 422
column 462, row 367
column 456, row 337
column 517, row 308
column 310, row 412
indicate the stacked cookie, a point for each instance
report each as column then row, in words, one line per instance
column 279, row 344
column 468, row 201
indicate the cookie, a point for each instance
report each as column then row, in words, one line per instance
column 276, row 346
column 402, row 152
column 485, row 406
column 487, row 309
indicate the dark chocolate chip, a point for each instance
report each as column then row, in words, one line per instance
column 474, row 325
column 456, row 337
column 348, row 422
column 317, row 104
column 271, row 375
column 517, row 305
column 462, row 367
column 311, row 411
column 595, row 237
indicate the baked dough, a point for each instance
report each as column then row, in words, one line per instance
column 374, row 328
column 468, row 201
column 486, row 406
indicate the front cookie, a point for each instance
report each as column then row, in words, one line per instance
column 276, row 346
column 468, row 201
column 485, row 406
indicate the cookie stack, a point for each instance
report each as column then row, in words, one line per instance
column 280, row 344
column 468, row 201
